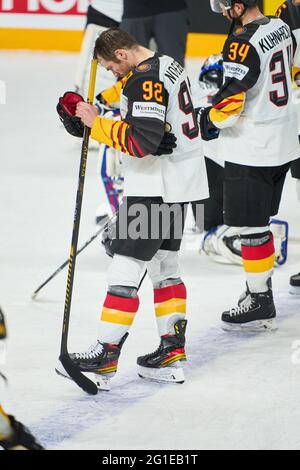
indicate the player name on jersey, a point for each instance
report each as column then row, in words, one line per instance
column 174, row 71
column 274, row 38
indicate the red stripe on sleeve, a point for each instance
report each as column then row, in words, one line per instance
column 222, row 104
column 121, row 303
column 130, row 146
column 170, row 292
column 137, row 146
column 120, row 137
column 111, row 134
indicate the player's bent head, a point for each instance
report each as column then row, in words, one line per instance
column 113, row 44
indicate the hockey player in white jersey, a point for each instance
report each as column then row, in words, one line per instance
column 154, row 94
column 289, row 12
column 221, row 242
column 254, row 116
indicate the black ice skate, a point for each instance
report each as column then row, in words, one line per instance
column 165, row 364
column 100, row 359
column 21, row 438
column 295, row 284
column 255, row 312
column 3, row 332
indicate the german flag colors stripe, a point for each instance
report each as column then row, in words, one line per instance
column 255, row 253
column 231, row 106
column 165, row 293
column 119, row 310
column 170, row 299
column 259, row 259
column 170, row 306
column 259, row 266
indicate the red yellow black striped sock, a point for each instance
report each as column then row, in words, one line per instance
column 170, row 306
column 117, row 317
column 258, row 255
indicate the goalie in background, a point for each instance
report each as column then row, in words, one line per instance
column 13, row 434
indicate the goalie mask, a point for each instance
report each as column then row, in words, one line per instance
column 216, row 5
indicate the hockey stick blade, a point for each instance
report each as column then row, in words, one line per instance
column 80, row 379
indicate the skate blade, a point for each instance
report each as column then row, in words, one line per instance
column 294, row 290
column 255, row 326
column 102, row 382
column 172, row 374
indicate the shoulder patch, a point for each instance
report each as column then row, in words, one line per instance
column 143, row 68
column 240, row 30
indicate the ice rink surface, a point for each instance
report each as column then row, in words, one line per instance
column 241, row 391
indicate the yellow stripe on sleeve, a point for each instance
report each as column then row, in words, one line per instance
column 112, row 95
column 106, row 131
column 229, row 107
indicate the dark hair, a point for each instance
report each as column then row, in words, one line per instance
column 111, row 40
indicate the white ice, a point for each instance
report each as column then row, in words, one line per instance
column 241, row 392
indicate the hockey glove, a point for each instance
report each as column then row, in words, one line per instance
column 167, row 144
column 208, row 130
column 21, row 438
column 66, row 109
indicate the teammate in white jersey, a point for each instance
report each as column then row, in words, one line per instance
column 221, row 242
column 154, row 94
column 254, row 115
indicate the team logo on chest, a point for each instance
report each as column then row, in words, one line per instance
column 143, row 68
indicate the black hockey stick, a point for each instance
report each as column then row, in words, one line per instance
column 72, row 370
column 62, row 266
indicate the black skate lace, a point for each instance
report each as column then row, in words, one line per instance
column 93, row 351
column 244, row 307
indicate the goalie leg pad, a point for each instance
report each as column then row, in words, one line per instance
column 280, row 230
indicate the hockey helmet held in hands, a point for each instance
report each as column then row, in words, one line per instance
column 212, row 71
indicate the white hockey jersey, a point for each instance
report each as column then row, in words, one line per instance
column 254, row 109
